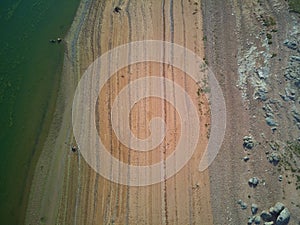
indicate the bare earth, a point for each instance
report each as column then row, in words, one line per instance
column 66, row 190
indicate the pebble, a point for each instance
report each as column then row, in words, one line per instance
column 246, row 158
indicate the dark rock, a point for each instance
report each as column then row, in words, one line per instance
column 250, row 220
column 295, row 58
column 274, row 158
column 277, row 208
column 262, row 73
column 266, row 216
column 248, row 142
column 242, row 204
column 117, row 9
column 257, row 220
column 284, row 217
column 74, row 148
column 253, row 182
column 284, row 97
column 290, row 44
column 260, row 93
column 271, row 122
column 246, row 158
column 290, row 93
column 254, row 208
column 296, row 115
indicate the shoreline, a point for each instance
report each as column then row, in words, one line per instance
column 30, row 77
column 49, row 171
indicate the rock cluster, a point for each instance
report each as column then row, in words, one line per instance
column 292, row 74
column 253, row 182
column 254, row 219
column 277, row 215
column 274, row 158
column 271, row 109
column 248, row 142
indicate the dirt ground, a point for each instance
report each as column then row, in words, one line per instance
column 230, row 28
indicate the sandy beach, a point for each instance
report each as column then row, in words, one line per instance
column 66, row 190
column 74, row 193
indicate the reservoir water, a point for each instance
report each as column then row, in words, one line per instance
column 30, row 71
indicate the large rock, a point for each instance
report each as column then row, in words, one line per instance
column 254, row 208
column 290, row 44
column 274, row 158
column 248, row 142
column 277, row 208
column 271, row 122
column 253, row 182
column 284, row 217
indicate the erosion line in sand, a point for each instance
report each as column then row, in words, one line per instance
column 129, row 71
column 164, row 184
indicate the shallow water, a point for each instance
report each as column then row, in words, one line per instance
column 30, row 69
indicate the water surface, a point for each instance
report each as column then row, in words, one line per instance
column 30, row 71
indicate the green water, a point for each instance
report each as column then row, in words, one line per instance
column 30, row 69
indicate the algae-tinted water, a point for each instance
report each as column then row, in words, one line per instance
column 30, row 69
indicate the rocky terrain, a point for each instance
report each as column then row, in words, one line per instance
column 254, row 46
